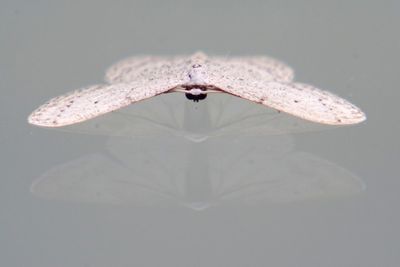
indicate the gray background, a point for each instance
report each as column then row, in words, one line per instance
column 325, row 198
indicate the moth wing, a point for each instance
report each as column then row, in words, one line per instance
column 280, row 71
column 254, row 68
column 301, row 100
column 146, row 67
column 92, row 101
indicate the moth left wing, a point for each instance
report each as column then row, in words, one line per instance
column 130, row 81
column 92, row 101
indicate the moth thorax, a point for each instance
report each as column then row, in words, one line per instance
column 197, row 74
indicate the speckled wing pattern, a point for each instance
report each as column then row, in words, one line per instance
column 255, row 68
column 148, row 69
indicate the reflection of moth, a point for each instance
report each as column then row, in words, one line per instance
column 171, row 171
column 258, row 79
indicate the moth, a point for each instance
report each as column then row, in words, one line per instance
column 259, row 79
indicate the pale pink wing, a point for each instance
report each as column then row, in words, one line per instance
column 301, row 100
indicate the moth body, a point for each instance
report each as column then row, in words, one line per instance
column 258, row 79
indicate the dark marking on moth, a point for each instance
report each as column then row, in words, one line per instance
column 195, row 98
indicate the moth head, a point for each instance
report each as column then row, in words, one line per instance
column 196, row 93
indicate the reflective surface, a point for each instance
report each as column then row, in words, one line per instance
column 195, row 157
column 221, row 182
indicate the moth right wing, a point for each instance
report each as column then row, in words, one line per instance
column 301, row 100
